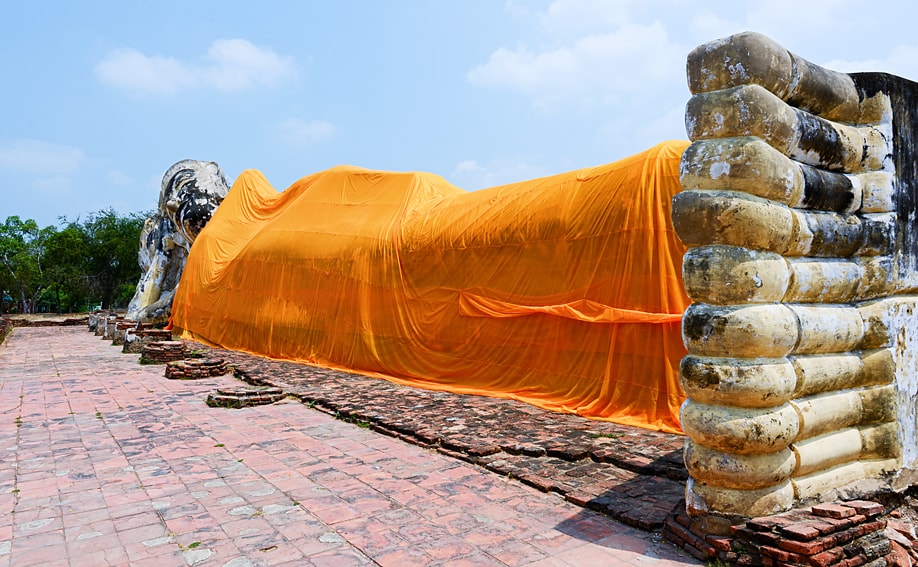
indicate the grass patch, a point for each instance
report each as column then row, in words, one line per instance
column 605, row 435
column 191, row 545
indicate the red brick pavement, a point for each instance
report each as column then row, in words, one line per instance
column 631, row 474
column 103, row 461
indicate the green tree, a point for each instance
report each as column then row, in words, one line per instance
column 66, row 288
column 22, row 249
column 84, row 262
column 111, row 270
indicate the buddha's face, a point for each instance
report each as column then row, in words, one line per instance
column 191, row 192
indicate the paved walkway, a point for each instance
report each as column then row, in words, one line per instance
column 632, row 474
column 105, row 462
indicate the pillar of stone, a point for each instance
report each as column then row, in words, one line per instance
column 798, row 211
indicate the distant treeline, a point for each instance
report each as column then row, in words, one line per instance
column 73, row 267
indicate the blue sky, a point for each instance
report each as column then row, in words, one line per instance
column 98, row 99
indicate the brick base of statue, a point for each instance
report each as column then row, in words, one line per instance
column 847, row 534
column 244, row 397
column 163, row 351
column 194, row 369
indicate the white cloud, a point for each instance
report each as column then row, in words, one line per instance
column 39, row 156
column 297, row 131
column 229, row 65
column 616, row 57
column 902, row 61
column 238, row 65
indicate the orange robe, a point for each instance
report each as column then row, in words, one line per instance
column 564, row 292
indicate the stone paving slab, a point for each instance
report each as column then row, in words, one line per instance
column 104, row 461
column 632, row 474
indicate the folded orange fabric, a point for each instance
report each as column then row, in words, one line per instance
column 564, row 292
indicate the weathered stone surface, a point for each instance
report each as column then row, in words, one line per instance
column 703, row 217
column 829, row 412
column 878, row 191
column 724, row 275
column 752, row 58
column 824, row 373
column 881, row 441
column 702, row 499
column 747, row 331
column 742, row 431
column 798, row 211
column 823, row 280
column 747, row 472
column 823, row 452
column 814, row 486
column 745, row 164
column 191, row 191
column 750, row 383
column 752, row 110
column 879, row 277
column 827, row 328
